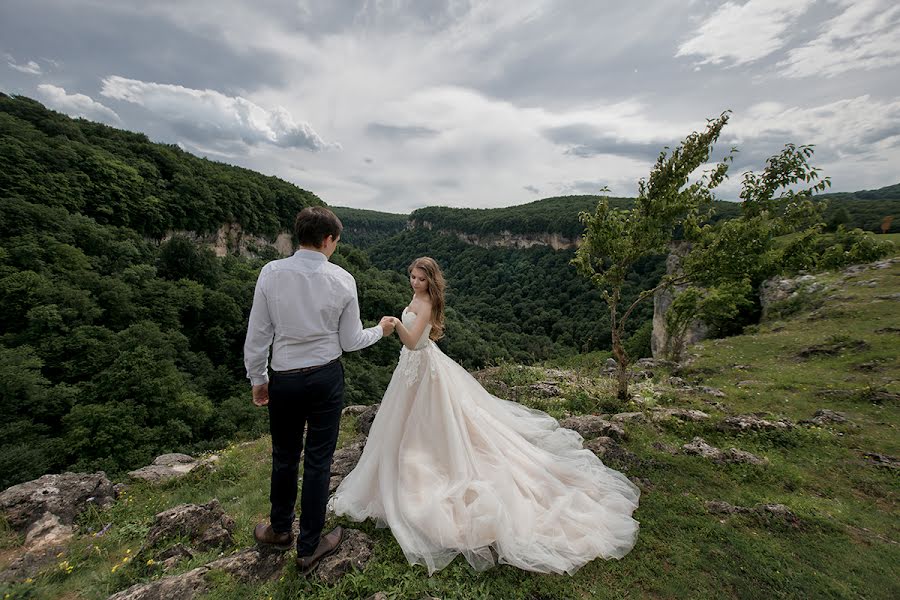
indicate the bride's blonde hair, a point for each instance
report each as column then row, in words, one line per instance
column 436, row 286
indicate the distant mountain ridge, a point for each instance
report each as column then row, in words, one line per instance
column 554, row 221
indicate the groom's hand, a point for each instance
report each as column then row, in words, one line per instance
column 261, row 394
column 387, row 326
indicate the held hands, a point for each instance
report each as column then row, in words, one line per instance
column 387, row 325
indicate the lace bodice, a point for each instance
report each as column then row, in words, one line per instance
column 409, row 318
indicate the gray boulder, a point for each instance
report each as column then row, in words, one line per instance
column 353, row 553
column 699, row 447
column 592, row 426
column 753, row 423
column 64, row 495
column 170, row 466
column 685, row 414
column 207, row 526
column 825, row 416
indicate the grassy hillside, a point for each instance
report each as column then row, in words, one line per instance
column 834, row 348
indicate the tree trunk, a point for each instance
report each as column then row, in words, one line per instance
column 618, row 350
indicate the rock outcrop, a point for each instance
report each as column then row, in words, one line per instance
column 248, row 566
column 45, row 510
column 592, row 426
column 505, row 239
column 354, row 552
column 753, row 423
column 699, row 447
column 170, row 466
column 232, row 239
column 662, row 343
column 205, row 525
column 65, row 496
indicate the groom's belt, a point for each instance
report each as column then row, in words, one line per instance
column 307, row 369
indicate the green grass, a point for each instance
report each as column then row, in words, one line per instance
column 845, row 545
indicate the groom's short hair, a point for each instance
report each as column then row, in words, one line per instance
column 314, row 224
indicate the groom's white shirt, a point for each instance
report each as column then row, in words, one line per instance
column 307, row 309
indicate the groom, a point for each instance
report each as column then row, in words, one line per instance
column 307, row 310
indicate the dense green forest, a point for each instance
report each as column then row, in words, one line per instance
column 363, row 228
column 115, row 344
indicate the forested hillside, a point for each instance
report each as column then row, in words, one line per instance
column 116, row 346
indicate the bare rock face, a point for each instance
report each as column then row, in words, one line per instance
column 353, row 553
column 166, row 467
column 206, row 525
column 364, row 422
column 248, row 566
column 592, row 425
column 753, row 423
column 64, row 496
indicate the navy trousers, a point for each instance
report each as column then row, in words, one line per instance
column 312, row 400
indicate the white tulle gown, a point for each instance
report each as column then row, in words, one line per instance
column 452, row 470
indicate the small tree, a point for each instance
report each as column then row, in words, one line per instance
column 615, row 239
column 732, row 258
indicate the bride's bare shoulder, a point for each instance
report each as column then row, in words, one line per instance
column 419, row 306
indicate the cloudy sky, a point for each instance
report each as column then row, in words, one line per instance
column 397, row 104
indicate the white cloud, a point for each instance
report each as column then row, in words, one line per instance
column 860, row 125
column 865, row 35
column 31, row 67
column 208, row 116
column 743, row 33
column 77, row 105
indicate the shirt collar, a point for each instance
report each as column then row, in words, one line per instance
column 310, row 255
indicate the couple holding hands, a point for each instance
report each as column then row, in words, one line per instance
column 450, row 468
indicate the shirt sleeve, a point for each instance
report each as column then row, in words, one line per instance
column 350, row 329
column 260, row 332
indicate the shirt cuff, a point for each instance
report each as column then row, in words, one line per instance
column 254, row 380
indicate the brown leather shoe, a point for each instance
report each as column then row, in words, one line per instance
column 327, row 546
column 264, row 534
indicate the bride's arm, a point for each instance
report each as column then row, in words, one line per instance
column 410, row 337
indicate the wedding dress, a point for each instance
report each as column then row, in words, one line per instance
column 452, row 470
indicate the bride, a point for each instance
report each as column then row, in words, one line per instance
column 452, row 469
